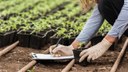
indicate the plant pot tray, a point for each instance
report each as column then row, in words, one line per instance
column 49, row 57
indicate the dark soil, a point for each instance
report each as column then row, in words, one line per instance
column 19, row 57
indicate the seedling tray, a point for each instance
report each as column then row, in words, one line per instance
column 6, row 38
column 24, row 38
column 77, row 57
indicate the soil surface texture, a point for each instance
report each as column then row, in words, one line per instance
column 19, row 57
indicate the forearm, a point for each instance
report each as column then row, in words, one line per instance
column 111, row 39
column 75, row 44
column 90, row 28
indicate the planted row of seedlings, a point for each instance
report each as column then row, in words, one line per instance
column 7, row 26
column 38, row 32
column 30, row 8
column 13, row 11
column 7, row 4
column 11, row 25
column 44, row 23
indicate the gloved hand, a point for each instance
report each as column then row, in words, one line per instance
column 61, row 50
column 95, row 51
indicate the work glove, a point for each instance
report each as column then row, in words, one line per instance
column 61, row 50
column 95, row 51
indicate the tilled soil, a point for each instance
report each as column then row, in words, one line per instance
column 19, row 57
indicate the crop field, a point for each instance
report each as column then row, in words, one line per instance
column 34, row 25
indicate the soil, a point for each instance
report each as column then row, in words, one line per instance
column 19, row 57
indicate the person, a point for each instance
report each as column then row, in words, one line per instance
column 115, row 12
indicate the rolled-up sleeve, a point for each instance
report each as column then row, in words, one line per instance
column 121, row 23
column 91, row 27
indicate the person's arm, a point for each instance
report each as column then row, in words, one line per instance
column 119, row 27
column 121, row 23
column 90, row 28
